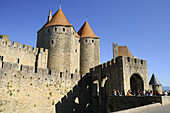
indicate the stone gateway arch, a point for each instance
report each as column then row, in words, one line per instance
column 136, row 83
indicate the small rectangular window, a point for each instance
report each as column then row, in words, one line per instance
column 55, row 29
column 48, row 30
column 63, row 29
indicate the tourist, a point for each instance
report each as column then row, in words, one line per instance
column 129, row 93
column 155, row 93
column 169, row 93
column 123, row 93
column 118, row 93
column 114, row 92
column 144, row 92
column 147, row 93
column 138, row 93
column 165, row 93
column 150, row 93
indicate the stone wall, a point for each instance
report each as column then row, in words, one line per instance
column 25, row 55
column 118, row 103
column 165, row 100
column 24, row 91
column 79, row 99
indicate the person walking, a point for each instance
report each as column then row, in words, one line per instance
column 165, row 93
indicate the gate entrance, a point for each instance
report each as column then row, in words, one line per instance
column 136, row 83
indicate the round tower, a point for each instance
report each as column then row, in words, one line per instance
column 155, row 85
column 89, row 49
column 58, row 36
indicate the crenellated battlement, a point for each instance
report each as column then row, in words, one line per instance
column 22, row 54
column 42, row 74
column 134, row 61
column 6, row 43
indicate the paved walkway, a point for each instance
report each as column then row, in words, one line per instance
column 161, row 109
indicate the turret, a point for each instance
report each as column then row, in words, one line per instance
column 49, row 17
column 115, row 50
column 121, row 51
column 155, row 85
column 58, row 35
column 89, row 49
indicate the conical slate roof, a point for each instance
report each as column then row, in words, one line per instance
column 124, row 51
column 154, row 80
column 86, row 31
column 58, row 19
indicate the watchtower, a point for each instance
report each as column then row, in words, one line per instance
column 89, row 48
column 59, row 36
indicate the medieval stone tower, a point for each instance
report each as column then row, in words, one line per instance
column 68, row 52
column 89, row 48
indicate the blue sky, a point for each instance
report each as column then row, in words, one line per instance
column 144, row 24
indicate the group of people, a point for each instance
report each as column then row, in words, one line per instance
column 138, row 93
column 166, row 93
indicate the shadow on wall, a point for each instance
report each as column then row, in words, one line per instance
column 78, row 100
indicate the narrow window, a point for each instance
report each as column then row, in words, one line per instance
column 60, row 74
column 141, row 61
column 71, row 76
column 48, row 30
column 86, row 40
column 55, row 29
column 17, row 60
column 2, row 58
column 135, row 60
column 52, row 42
column 66, row 71
column 63, row 29
column 128, row 59
column 76, row 50
column 92, row 41
column 21, row 68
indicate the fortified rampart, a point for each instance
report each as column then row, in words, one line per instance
column 24, row 91
column 97, row 86
column 26, row 55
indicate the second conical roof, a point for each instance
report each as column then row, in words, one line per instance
column 86, row 31
column 154, row 80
